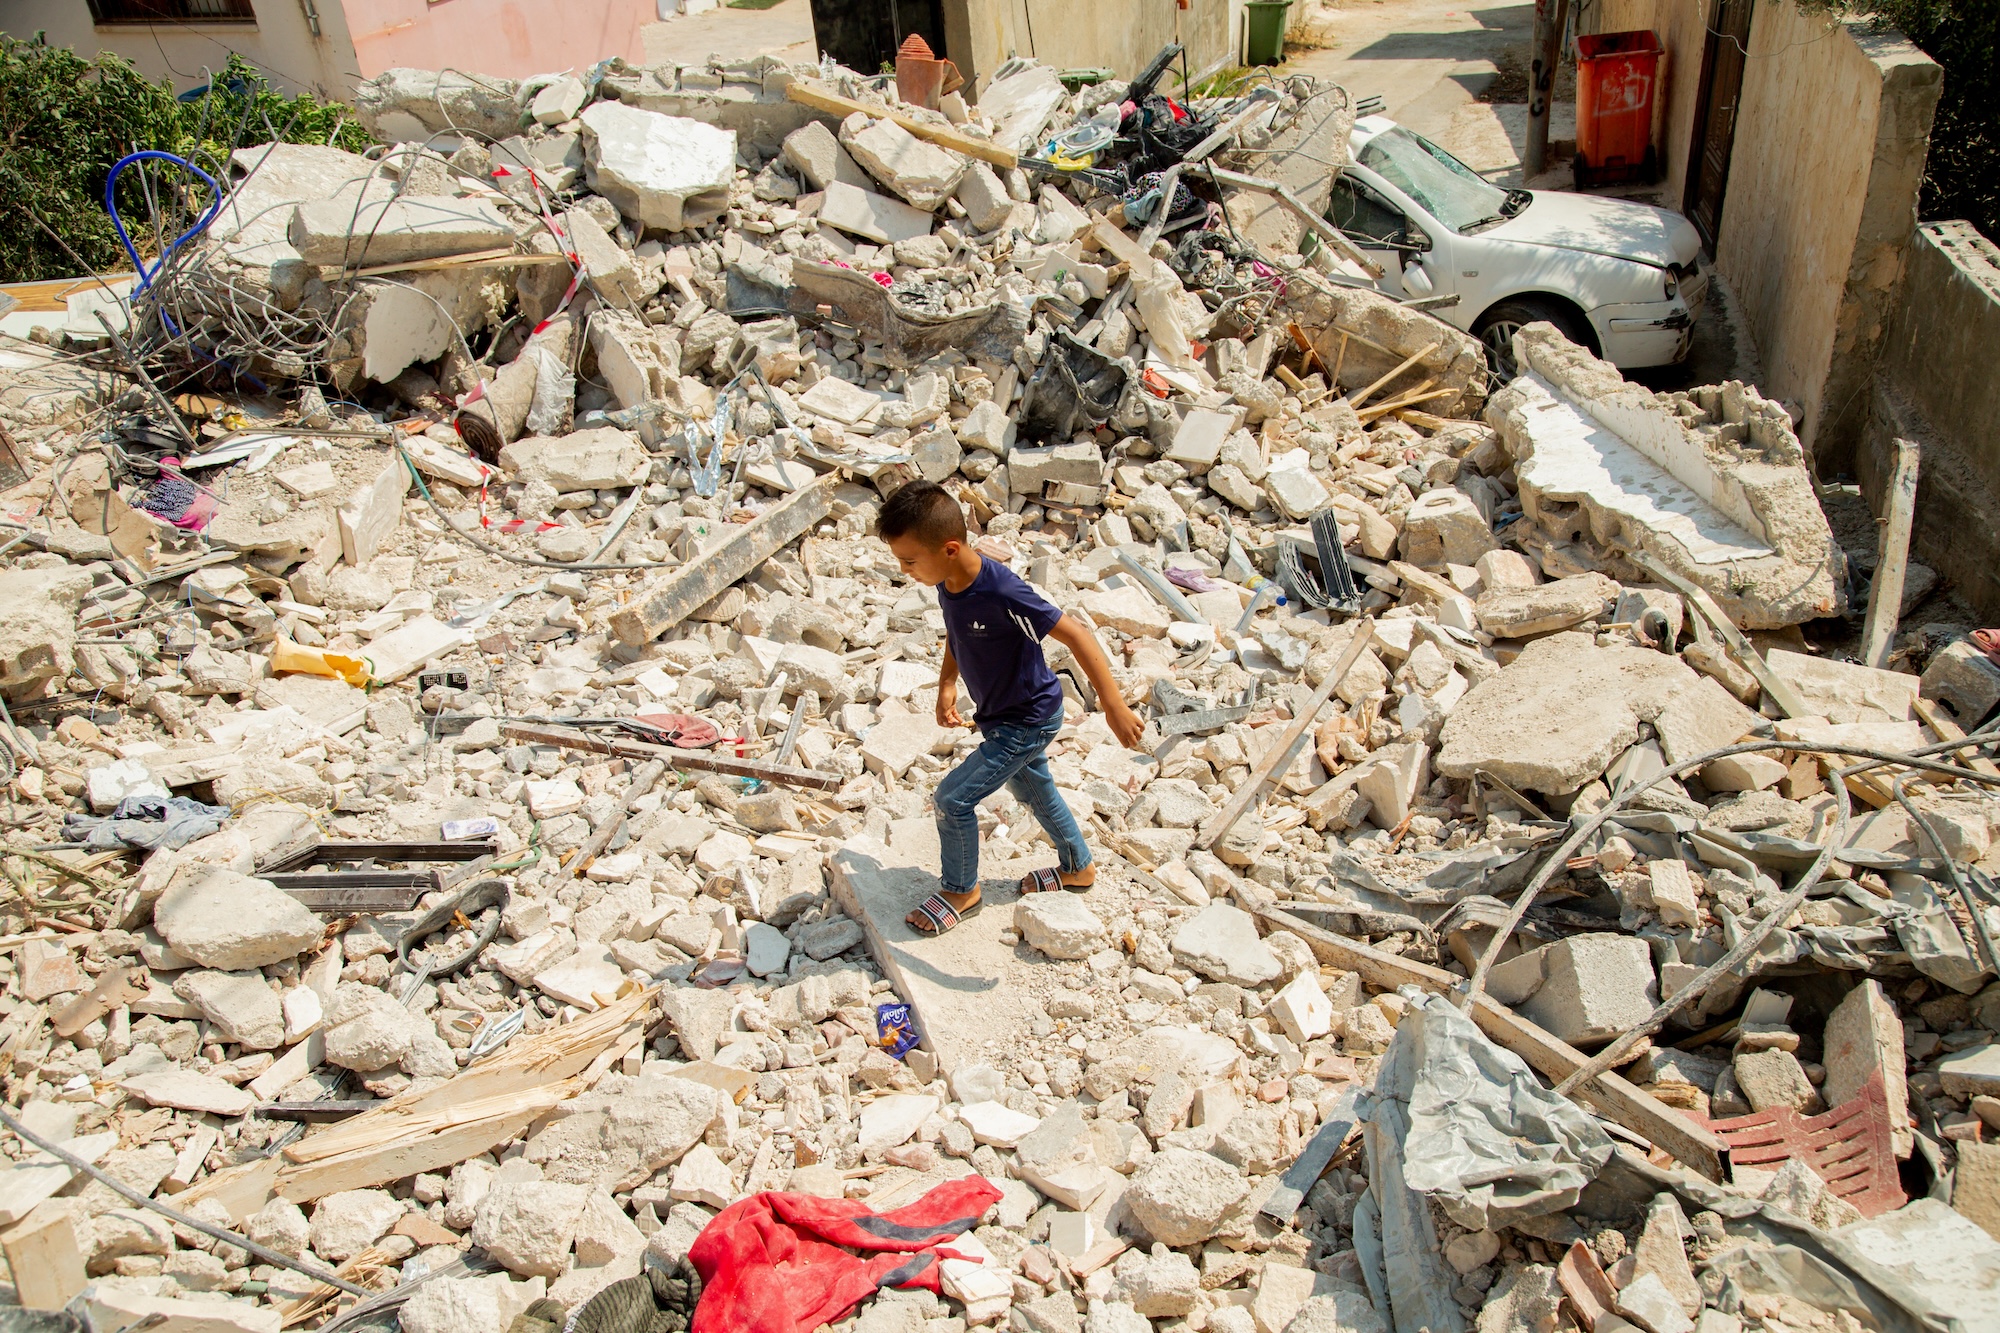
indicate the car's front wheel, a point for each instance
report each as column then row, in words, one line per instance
column 1497, row 327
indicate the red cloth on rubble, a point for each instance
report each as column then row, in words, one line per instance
column 773, row 1263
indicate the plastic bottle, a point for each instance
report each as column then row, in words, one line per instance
column 1257, row 581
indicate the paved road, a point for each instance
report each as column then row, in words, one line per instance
column 784, row 30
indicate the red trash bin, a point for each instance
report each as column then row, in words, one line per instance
column 1616, row 73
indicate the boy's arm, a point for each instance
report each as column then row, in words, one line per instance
column 1125, row 724
column 947, row 687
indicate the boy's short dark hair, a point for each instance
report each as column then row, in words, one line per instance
column 924, row 510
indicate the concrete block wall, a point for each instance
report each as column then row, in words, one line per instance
column 1121, row 34
column 1831, row 138
column 1935, row 385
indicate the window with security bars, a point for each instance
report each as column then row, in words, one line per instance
column 172, row 11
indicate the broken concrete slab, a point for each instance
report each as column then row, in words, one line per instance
column 921, row 173
column 1556, row 716
column 663, row 172
column 334, row 232
column 874, row 217
column 1712, row 484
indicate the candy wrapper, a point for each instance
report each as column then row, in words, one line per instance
column 895, row 1028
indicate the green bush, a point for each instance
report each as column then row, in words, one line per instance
column 65, row 120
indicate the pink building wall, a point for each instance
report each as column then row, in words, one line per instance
column 503, row 38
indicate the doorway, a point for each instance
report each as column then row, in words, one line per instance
column 1722, row 62
column 864, row 34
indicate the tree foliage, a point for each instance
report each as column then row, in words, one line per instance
column 1962, row 176
column 65, row 120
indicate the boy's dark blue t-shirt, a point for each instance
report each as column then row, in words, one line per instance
column 995, row 629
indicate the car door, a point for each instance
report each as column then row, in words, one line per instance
column 1394, row 233
column 1377, row 227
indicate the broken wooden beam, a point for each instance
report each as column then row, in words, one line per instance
column 683, row 591
column 1275, row 758
column 812, row 93
column 1609, row 1095
column 570, row 738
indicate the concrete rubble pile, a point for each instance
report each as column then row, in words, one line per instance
column 587, row 629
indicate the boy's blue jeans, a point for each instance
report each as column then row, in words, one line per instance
column 1012, row 757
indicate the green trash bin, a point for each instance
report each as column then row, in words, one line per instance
column 1264, row 42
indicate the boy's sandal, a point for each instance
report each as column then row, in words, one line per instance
column 942, row 915
column 1987, row 641
column 1047, row 880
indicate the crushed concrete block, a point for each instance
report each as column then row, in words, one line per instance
column 1130, row 610
column 1864, row 1036
column 814, row 152
column 1661, row 1253
column 604, row 458
column 1743, row 772
column 558, row 101
column 611, row 271
column 399, row 105
column 919, row 172
column 38, row 611
column 1443, row 527
column 1843, row 692
column 987, row 203
column 528, row 1225
column 640, row 362
column 1964, row 679
column 1975, row 1191
column 229, row 921
column 1520, row 613
column 375, row 512
column 1391, row 781
column 1594, row 987
column 663, row 172
column 1059, row 925
column 1774, row 1078
column 1183, row 1197
column 333, row 232
column 1221, row 943
column 1030, row 470
column 1503, row 570
column 895, row 1119
column 1712, row 484
column 241, row 1006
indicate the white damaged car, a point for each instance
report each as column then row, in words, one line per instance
column 1621, row 278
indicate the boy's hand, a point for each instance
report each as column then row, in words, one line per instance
column 1125, row 723
column 947, row 706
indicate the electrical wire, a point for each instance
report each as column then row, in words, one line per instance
column 318, row 1272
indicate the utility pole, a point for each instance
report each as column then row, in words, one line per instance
column 1551, row 17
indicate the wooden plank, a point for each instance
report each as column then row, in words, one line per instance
column 1938, row 720
column 1782, row 694
column 812, row 93
column 1885, row 597
column 642, row 782
column 1358, row 399
column 405, row 1157
column 1430, row 585
column 1246, row 795
column 43, row 1256
column 694, row 760
column 353, row 1134
column 685, row 590
column 1608, row 1095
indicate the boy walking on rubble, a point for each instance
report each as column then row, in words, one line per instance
column 993, row 623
